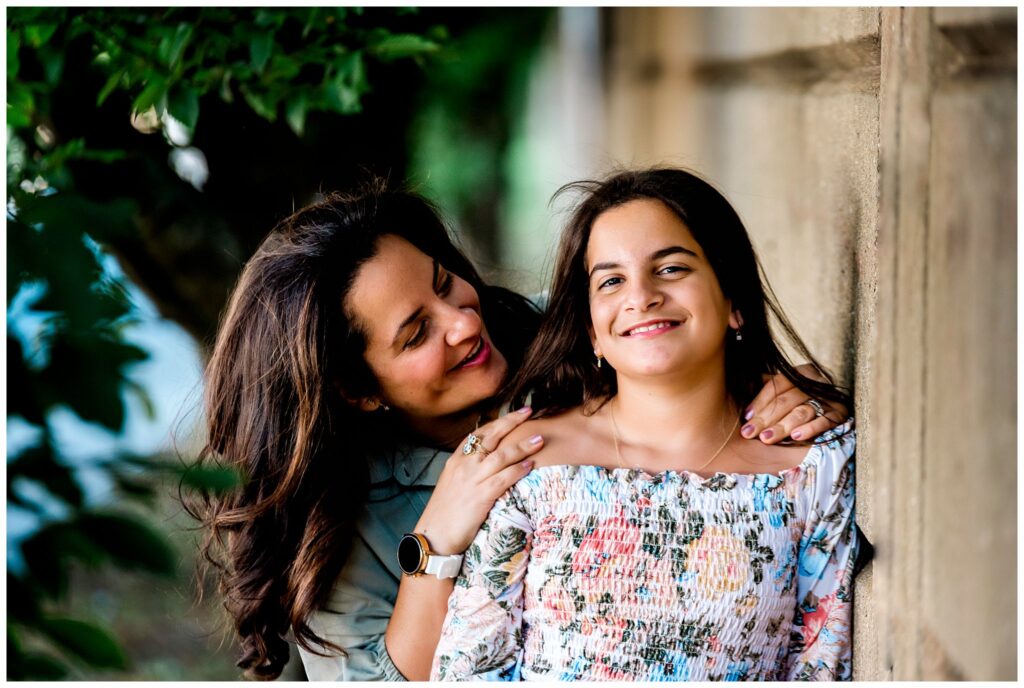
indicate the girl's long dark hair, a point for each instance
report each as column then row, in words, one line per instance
column 285, row 358
column 560, row 369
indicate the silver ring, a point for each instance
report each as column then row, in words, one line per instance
column 474, row 444
column 819, row 410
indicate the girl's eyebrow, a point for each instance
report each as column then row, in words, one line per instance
column 415, row 314
column 660, row 253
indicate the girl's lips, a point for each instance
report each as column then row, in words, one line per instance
column 658, row 327
column 481, row 357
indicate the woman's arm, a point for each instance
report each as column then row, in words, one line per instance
column 780, row 410
column 465, row 493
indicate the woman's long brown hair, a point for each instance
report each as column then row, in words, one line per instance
column 286, row 357
column 560, row 369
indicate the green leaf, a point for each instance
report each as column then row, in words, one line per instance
column 295, row 113
column 52, row 60
column 39, row 464
column 397, row 46
column 13, row 45
column 90, row 643
column 183, row 104
column 130, row 542
column 39, row 667
column 85, row 373
column 37, row 35
column 151, row 95
column 260, row 47
column 112, row 83
column 21, row 105
column 176, row 45
column 216, row 479
column 260, row 103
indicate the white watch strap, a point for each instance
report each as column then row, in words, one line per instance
column 444, row 566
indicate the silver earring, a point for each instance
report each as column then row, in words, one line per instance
column 739, row 335
column 599, row 359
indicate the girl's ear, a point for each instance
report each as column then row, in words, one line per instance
column 736, row 320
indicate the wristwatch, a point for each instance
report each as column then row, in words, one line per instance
column 415, row 558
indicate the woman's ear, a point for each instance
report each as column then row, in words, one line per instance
column 736, row 320
column 365, row 404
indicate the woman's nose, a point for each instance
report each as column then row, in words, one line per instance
column 464, row 324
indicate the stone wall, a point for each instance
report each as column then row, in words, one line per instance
column 872, row 154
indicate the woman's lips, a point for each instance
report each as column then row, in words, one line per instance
column 483, row 354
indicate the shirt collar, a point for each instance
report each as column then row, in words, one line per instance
column 408, row 466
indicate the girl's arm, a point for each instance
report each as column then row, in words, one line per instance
column 482, row 635
column 820, row 639
column 465, row 493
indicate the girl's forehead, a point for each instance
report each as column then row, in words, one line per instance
column 635, row 230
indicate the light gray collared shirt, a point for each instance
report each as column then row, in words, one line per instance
column 357, row 612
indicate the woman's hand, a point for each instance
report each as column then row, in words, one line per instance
column 780, row 411
column 470, row 484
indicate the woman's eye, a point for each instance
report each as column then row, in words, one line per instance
column 446, row 284
column 610, row 282
column 417, row 336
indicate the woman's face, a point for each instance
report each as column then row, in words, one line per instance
column 655, row 304
column 426, row 341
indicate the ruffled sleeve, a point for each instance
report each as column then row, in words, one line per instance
column 820, row 641
column 482, row 635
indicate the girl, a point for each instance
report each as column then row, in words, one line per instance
column 651, row 542
column 359, row 348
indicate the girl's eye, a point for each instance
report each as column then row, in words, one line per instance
column 674, row 269
column 610, row 282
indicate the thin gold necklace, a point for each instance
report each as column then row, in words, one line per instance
column 618, row 452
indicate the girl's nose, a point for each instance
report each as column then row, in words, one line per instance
column 643, row 295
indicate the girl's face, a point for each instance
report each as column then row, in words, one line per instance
column 655, row 304
column 426, row 341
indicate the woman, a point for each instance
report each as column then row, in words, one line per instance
column 651, row 542
column 358, row 349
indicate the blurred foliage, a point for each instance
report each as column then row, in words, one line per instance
column 163, row 62
column 458, row 147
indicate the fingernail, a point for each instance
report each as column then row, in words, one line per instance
column 747, row 430
column 536, row 439
column 749, row 414
column 767, row 435
column 797, row 435
column 525, row 409
column 527, row 465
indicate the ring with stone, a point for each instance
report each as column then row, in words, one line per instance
column 819, row 410
column 474, row 444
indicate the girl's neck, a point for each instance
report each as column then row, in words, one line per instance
column 662, row 415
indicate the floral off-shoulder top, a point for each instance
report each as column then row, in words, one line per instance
column 589, row 573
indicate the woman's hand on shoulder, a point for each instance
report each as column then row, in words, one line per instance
column 470, row 483
column 780, row 410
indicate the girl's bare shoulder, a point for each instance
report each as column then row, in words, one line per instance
column 567, row 437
